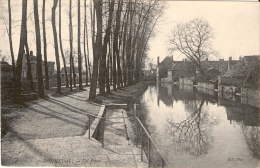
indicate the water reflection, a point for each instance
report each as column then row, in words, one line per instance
column 188, row 122
column 192, row 134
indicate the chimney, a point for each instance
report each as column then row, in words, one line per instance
column 230, row 58
column 158, row 60
column 207, row 59
column 31, row 53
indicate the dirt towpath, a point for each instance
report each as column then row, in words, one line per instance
column 51, row 132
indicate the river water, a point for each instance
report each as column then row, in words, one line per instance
column 200, row 129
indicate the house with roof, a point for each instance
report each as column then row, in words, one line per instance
column 6, row 71
column 231, row 71
column 242, row 78
column 33, row 62
column 62, row 72
column 186, row 72
column 164, row 66
column 244, row 73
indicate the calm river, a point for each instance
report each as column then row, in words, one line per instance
column 198, row 129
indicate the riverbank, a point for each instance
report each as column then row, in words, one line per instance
column 11, row 113
column 55, row 127
column 127, row 94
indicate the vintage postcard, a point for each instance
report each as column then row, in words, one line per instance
column 130, row 83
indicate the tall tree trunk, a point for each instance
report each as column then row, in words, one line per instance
column 71, row 44
column 10, row 37
column 47, row 85
column 111, row 63
column 29, row 70
column 124, row 48
column 17, row 79
column 61, row 49
column 114, row 69
column 79, row 50
column 102, row 66
column 55, row 2
column 115, row 44
column 73, row 70
column 70, row 72
column 92, row 26
column 89, row 71
column 85, row 56
column 38, row 54
column 107, row 70
column 97, row 48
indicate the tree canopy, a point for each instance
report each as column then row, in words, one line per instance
column 193, row 39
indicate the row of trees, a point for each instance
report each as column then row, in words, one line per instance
column 120, row 34
column 119, row 30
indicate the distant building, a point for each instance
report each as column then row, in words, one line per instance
column 171, row 70
column 6, row 71
column 62, row 72
column 33, row 61
column 243, row 73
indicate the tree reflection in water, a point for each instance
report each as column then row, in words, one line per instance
column 191, row 136
column 252, row 138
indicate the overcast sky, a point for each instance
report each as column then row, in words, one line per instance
column 236, row 27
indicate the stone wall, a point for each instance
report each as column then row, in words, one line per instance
column 205, row 85
column 185, row 81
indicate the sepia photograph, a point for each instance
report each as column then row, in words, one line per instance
column 130, row 83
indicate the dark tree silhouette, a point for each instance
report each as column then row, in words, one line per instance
column 18, row 71
column 79, row 50
column 71, row 44
column 39, row 53
column 191, row 135
column 102, row 64
column 55, row 2
column 10, row 36
column 61, row 49
column 97, row 48
column 47, row 84
column 193, row 39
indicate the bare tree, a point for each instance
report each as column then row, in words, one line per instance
column 79, row 50
column 10, row 36
column 97, row 48
column 61, row 49
column 71, row 44
column 115, row 44
column 55, row 2
column 18, row 70
column 193, row 39
column 73, row 69
column 192, row 134
column 102, row 65
column 86, row 56
column 38, row 54
column 29, row 69
column 47, row 85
